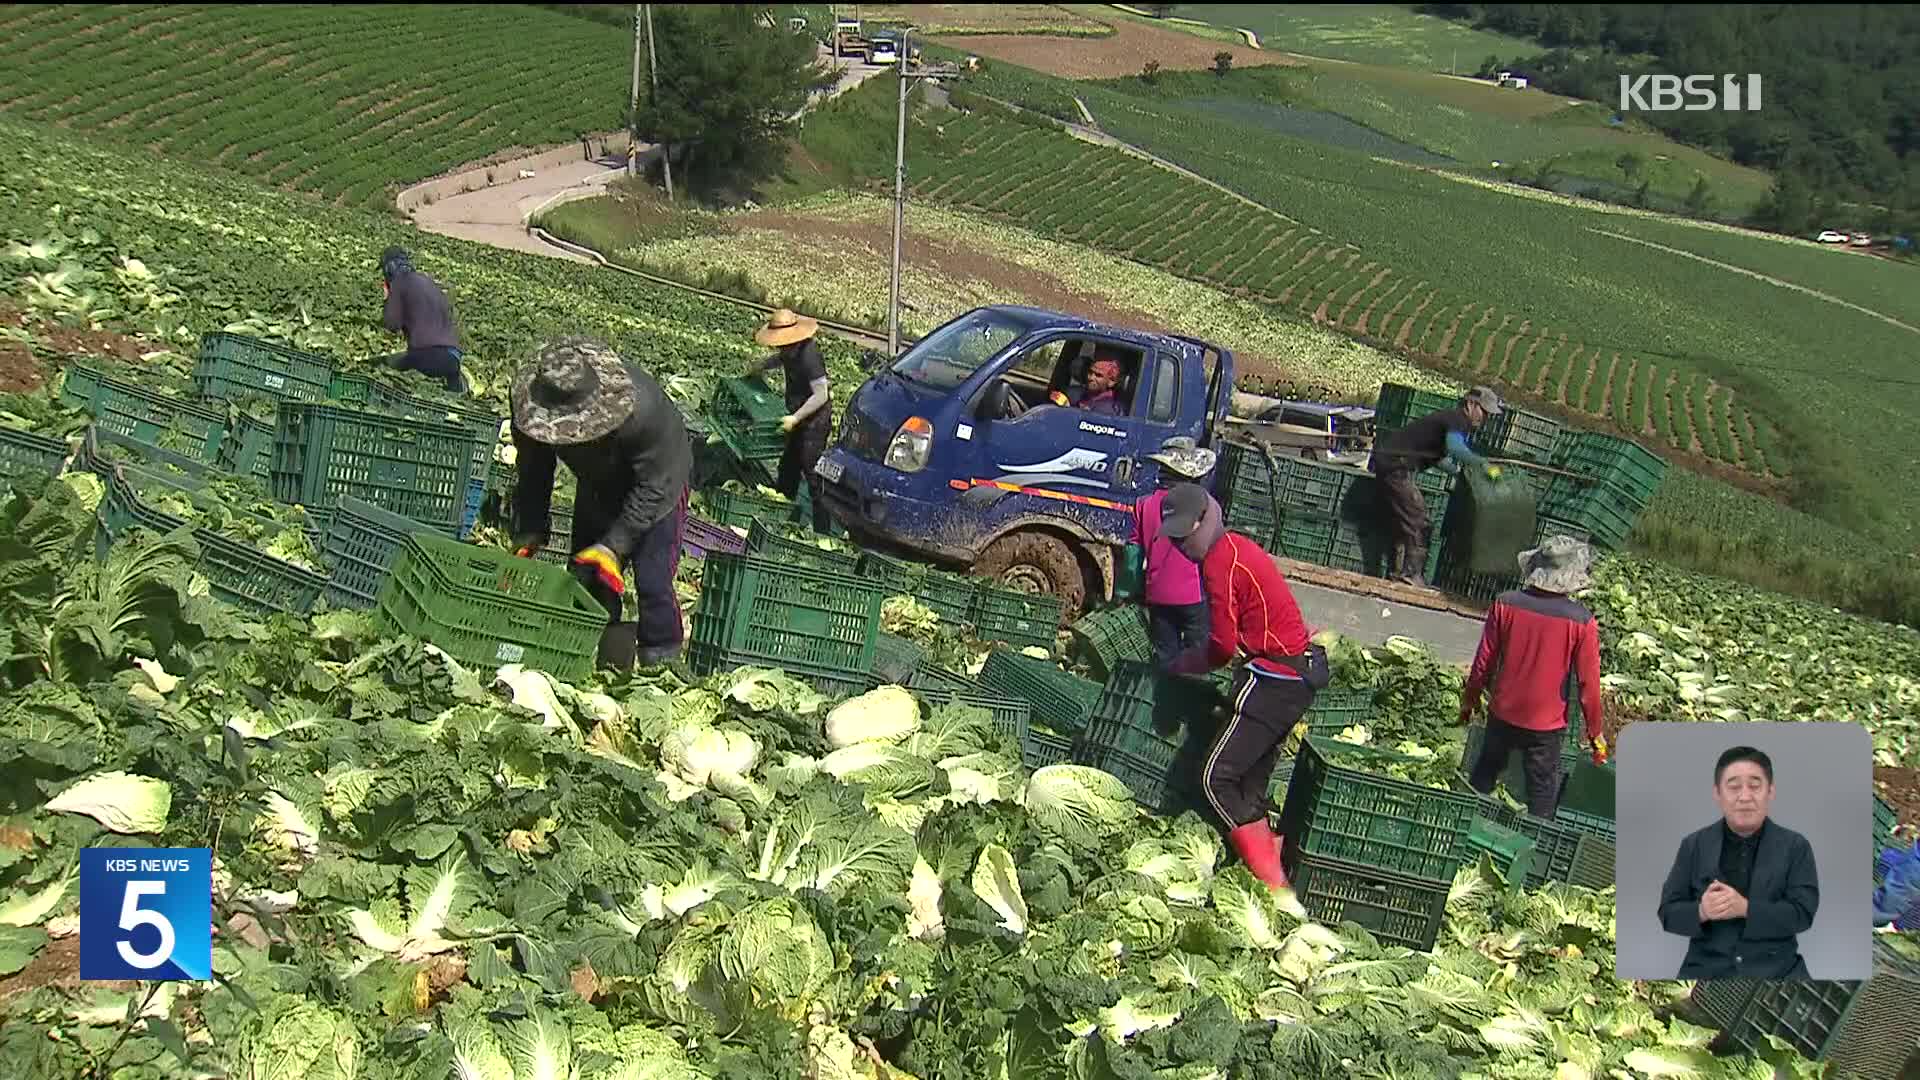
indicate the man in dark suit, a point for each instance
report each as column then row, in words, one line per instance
column 1744, row 888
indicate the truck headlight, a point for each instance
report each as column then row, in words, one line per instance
column 910, row 446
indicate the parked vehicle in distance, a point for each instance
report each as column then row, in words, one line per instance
column 1340, row 434
column 1829, row 236
column 1861, row 239
column 884, row 48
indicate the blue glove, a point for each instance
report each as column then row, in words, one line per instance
column 1451, row 466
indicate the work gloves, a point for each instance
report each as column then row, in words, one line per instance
column 600, row 563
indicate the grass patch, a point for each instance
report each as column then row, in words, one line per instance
column 1386, row 34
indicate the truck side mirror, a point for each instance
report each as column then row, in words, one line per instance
column 870, row 359
column 993, row 402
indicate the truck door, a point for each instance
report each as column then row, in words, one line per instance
column 1065, row 459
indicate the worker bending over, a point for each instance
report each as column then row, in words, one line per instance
column 809, row 421
column 1438, row 438
column 624, row 439
column 1252, row 613
column 1539, row 650
column 419, row 309
column 1176, row 602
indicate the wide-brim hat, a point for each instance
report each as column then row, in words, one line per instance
column 1182, row 458
column 785, row 327
column 1486, row 398
column 1561, row 564
column 574, row 391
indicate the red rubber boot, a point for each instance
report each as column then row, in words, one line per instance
column 1254, row 842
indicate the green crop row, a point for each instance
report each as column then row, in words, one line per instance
column 388, row 95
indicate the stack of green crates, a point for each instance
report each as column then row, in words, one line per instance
column 1107, row 638
column 24, row 454
column 419, row 469
column 1513, row 852
column 1400, row 405
column 746, row 415
column 1365, row 847
column 1061, row 700
column 234, row 367
column 361, row 543
column 936, row 686
column 740, row 509
column 1519, row 434
column 1455, row 574
column 1337, row 708
column 486, row 607
column 1625, row 476
column 1861, row 1030
column 1151, row 730
column 764, row 612
column 1330, row 515
column 895, row 658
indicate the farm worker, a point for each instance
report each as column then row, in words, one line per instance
column 418, row 308
column 809, row 420
column 1176, row 602
column 1743, row 889
column 1438, row 438
column 1252, row 613
column 1539, row 647
column 624, row 440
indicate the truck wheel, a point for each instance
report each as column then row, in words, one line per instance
column 1037, row 562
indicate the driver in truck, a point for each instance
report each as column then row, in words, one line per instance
column 1101, row 394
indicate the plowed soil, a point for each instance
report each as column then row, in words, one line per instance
column 1125, row 53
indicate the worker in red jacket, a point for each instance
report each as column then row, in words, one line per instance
column 1253, row 614
column 1539, row 649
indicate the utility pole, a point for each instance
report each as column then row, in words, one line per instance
column 633, row 99
column 900, row 178
column 666, row 156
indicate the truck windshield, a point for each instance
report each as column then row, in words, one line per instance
column 945, row 358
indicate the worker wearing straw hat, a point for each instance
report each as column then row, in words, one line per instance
column 626, row 444
column 809, row 419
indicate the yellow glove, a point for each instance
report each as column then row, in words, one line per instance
column 1493, row 472
column 605, row 567
column 789, row 422
column 1600, row 750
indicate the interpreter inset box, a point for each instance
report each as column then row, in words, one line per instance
column 1745, row 850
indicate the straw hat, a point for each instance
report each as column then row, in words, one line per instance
column 1183, row 458
column 575, row 391
column 785, row 328
column 1561, row 564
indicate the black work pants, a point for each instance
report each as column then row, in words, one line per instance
column 1406, row 511
column 1539, row 759
column 658, row 633
column 434, row 361
column 1261, row 714
column 1175, row 628
column 805, row 445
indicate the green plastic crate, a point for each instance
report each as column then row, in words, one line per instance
column 1517, row 433
column 1115, row 635
column 236, row 572
column 1455, row 576
column 1010, row 714
column 1061, row 700
column 481, row 424
column 1306, row 537
column 415, row 468
column 741, row 508
column 1884, row 823
column 895, row 658
column 23, row 453
column 1139, row 703
column 1593, row 864
column 349, row 389
column 1861, row 1030
column 1400, row 405
column 361, row 544
column 176, row 424
column 1162, row 777
column 1015, row 617
column 1878, row 1036
column 248, row 448
column 746, row 415
column 1337, row 810
column 767, row 612
column 949, row 596
column 234, row 366
column 1513, row 853
column 1395, row 908
column 715, row 463
column 762, row 539
column 1623, row 464
column 1257, row 484
column 1338, row 707
column 939, row 678
column 1599, row 509
column 486, row 607
column 1722, row 1001
column 1042, row 748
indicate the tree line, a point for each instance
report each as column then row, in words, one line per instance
column 1839, row 124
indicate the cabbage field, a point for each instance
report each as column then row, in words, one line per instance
column 389, row 94
column 426, row 870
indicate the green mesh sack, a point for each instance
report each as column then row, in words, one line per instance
column 1499, row 521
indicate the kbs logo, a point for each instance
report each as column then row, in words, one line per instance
column 1695, row 93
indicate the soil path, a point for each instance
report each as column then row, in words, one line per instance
column 1124, row 53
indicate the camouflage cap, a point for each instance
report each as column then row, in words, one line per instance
column 1183, row 458
column 575, row 390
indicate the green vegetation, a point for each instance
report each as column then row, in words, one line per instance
column 397, row 94
column 1837, row 123
column 1387, row 34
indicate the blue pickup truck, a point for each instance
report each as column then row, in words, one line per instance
column 958, row 452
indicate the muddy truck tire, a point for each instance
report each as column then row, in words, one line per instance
column 1037, row 562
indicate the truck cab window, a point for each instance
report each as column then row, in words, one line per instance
column 1166, row 390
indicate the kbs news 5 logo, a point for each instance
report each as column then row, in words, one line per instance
column 146, row 913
